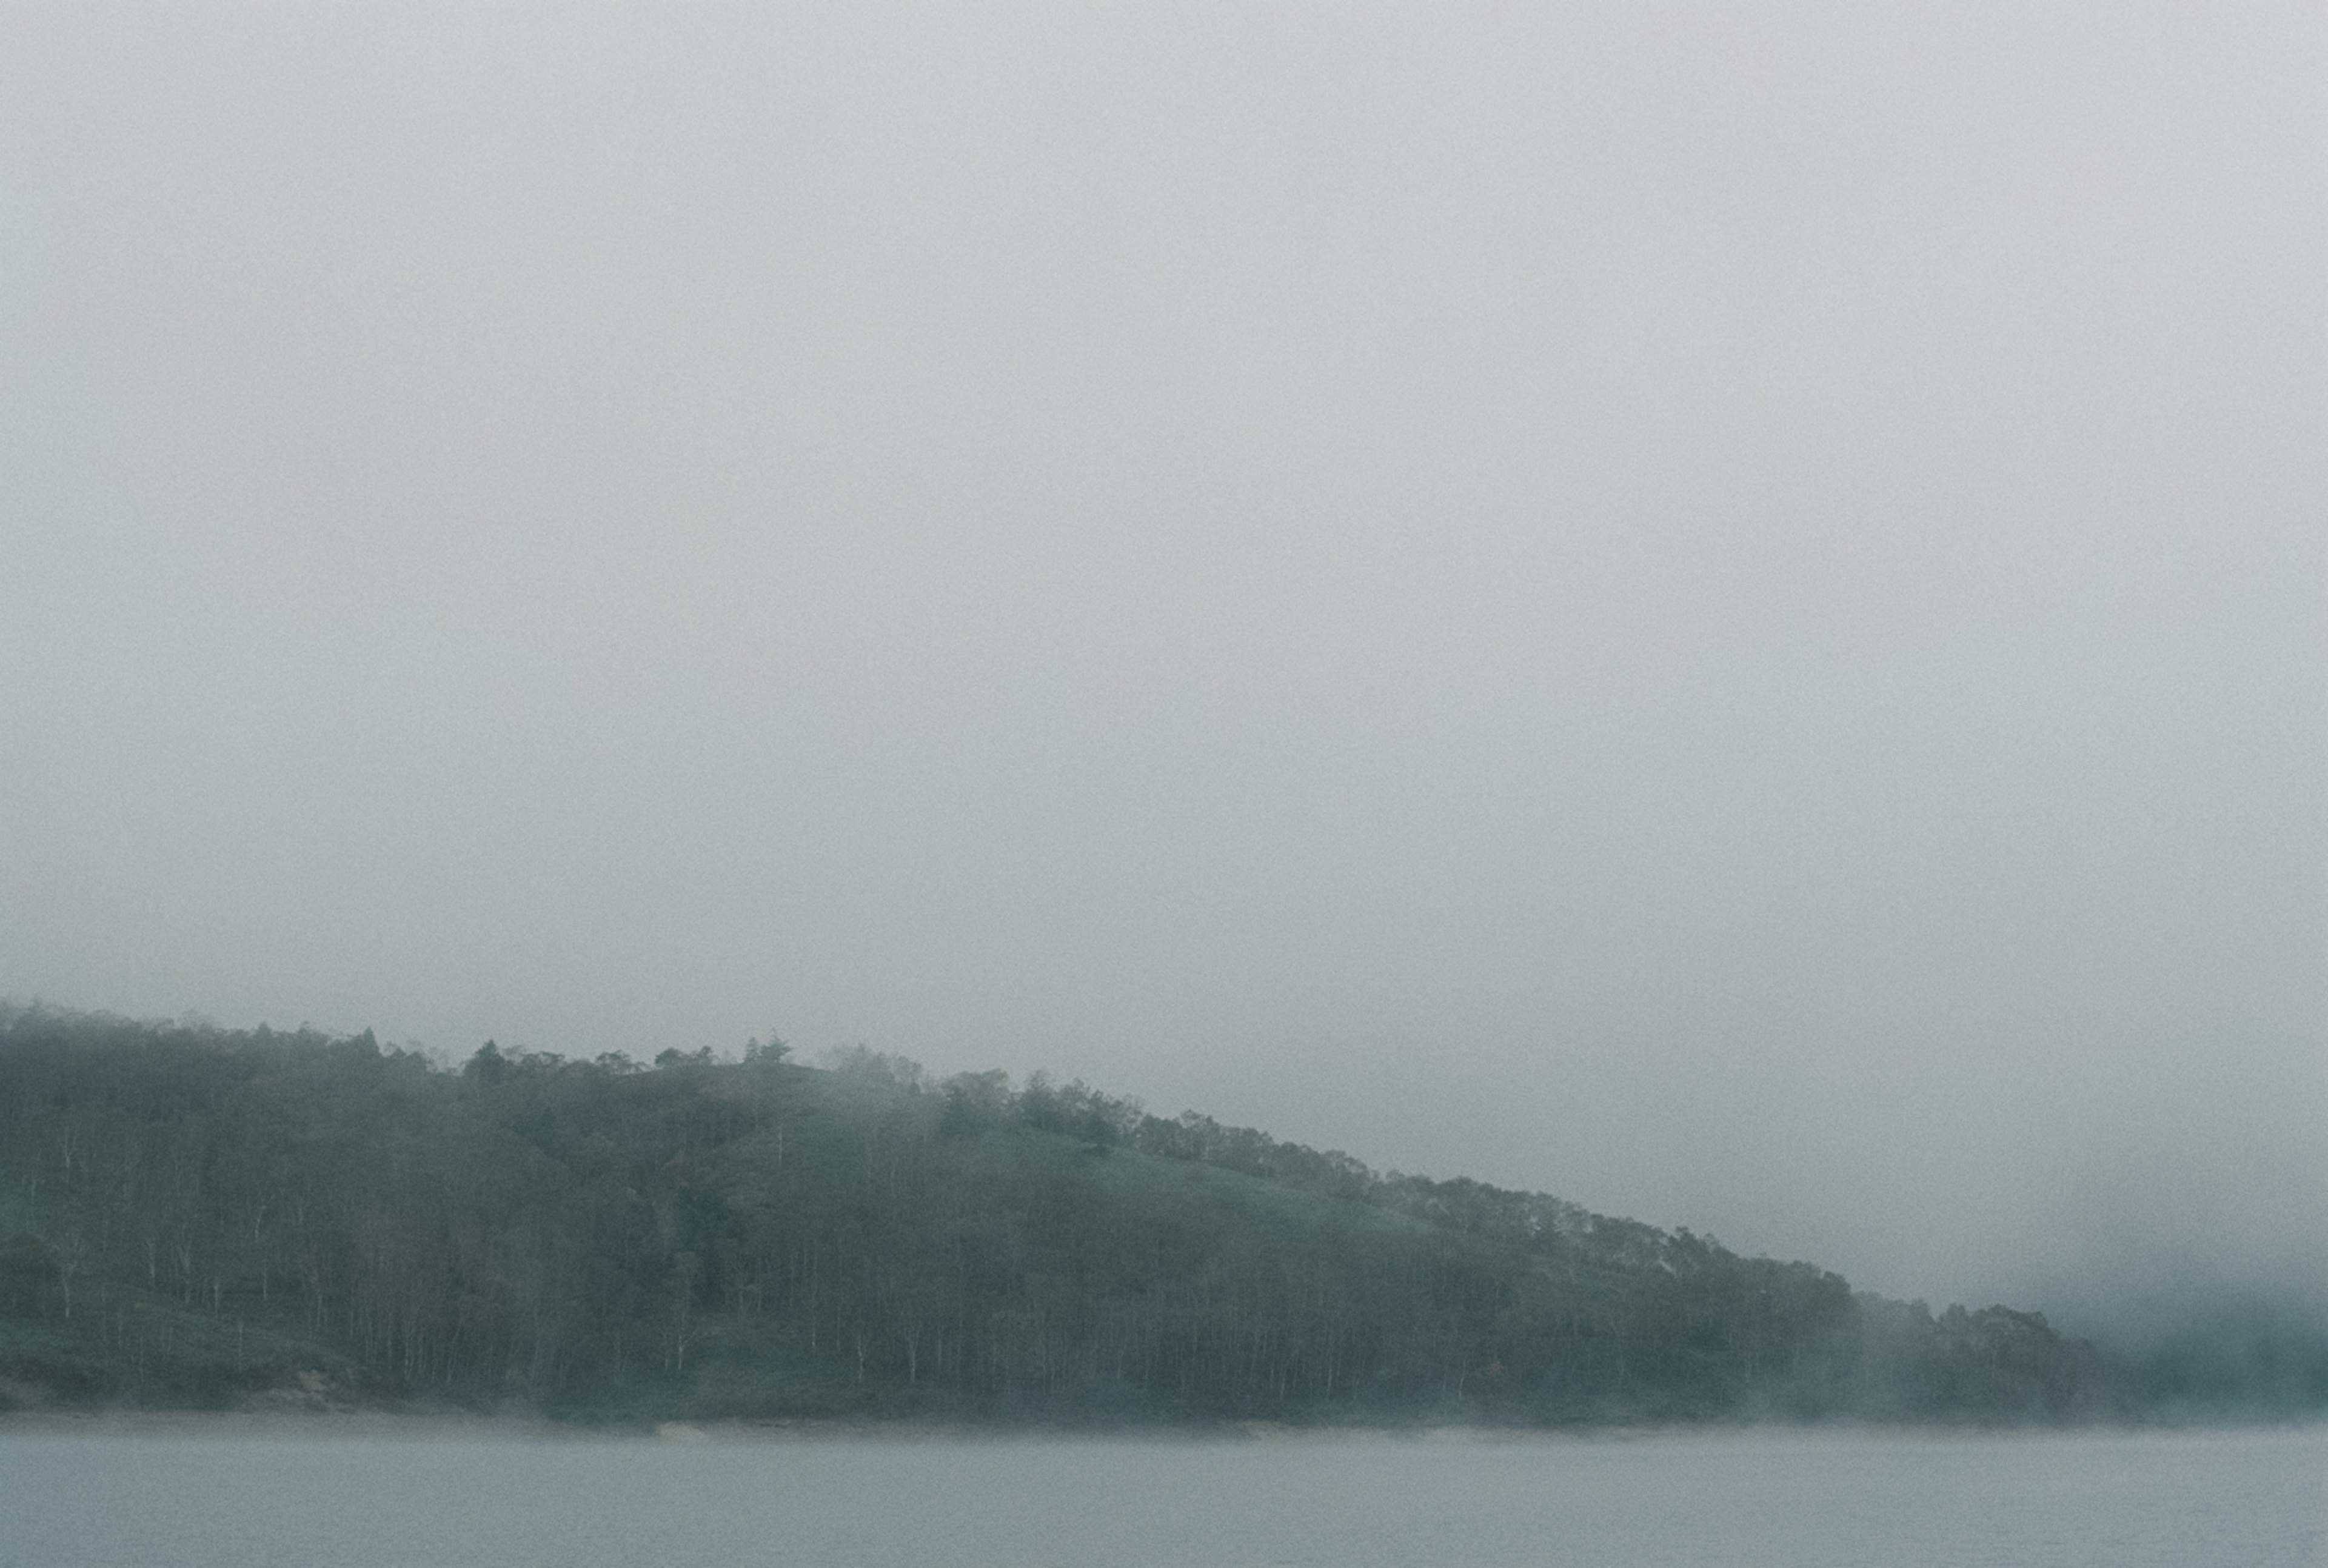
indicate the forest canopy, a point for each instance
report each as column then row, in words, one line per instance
column 197, row 1215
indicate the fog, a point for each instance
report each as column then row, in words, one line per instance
column 1718, row 610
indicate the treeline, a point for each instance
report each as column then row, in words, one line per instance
column 196, row 1216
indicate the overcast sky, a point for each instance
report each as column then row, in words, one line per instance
column 1715, row 609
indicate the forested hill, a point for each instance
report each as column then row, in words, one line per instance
column 191, row 1215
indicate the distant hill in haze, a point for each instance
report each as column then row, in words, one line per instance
column 198, row 1216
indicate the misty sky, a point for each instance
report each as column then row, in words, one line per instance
column 1721, row 610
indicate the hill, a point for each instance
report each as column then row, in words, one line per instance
column 191, row 1215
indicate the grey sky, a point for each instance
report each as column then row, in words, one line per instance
column 1718, row 610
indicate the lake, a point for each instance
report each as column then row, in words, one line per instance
column 187, row 1496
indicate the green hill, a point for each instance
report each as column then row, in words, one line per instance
column 198, row 1216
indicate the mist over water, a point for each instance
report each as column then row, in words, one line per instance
column 2248, row 1501
column 1718, row 612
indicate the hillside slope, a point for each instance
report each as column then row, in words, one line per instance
column 191, row 1215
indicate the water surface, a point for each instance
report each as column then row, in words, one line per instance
column 193, row 1499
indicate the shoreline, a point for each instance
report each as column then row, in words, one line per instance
column 433, row 1425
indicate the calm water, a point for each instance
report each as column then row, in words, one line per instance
column 2241, row 1501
